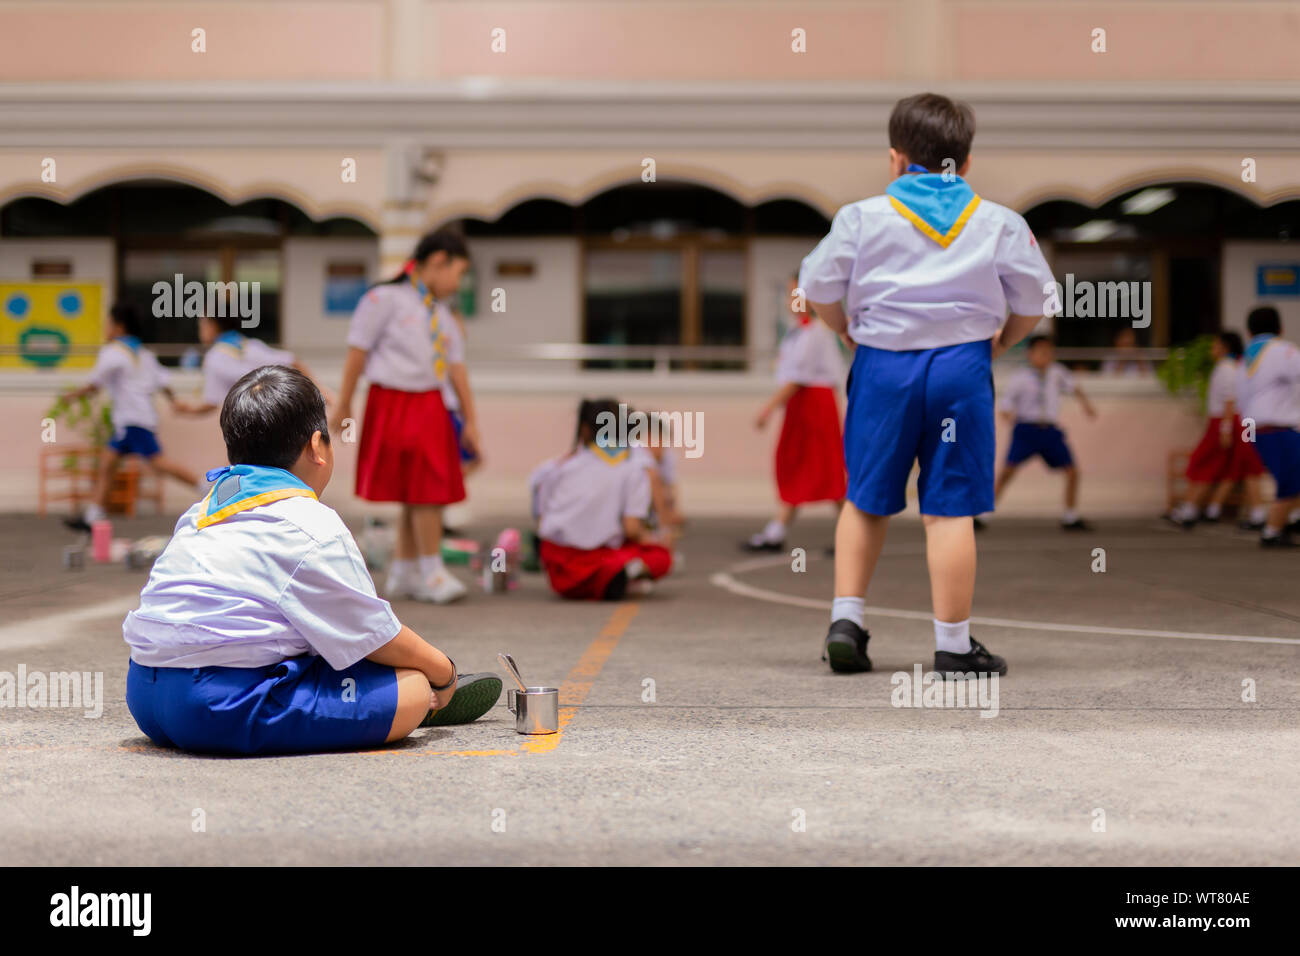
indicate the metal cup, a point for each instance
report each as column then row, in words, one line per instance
column 536, row 712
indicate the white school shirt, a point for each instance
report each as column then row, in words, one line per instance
column 129, row 378
column 226, row 363
column 580, row 500
column 904, row 291
column 1223, row 386
column 273, row 582
column 809, row 354
column 455, row 346
column 1268, row 389
column 1037, row 398
column 392, row 324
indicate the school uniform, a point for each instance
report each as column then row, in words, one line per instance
column 927, row 273
column 408, row 451
column 231, row 357
column 130, row 374
column 1211, row 462
column 579, row 502
column 810, row 450
column 253, row 628
column 1268, row 392
column 1034, row 398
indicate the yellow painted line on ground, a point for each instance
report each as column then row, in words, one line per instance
column 578, row 683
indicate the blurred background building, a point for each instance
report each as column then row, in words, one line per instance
column 311, row 142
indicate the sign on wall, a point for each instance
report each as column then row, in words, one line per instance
column 40, row 322
column 1274, row 279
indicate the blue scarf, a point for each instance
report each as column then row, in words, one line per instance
column 233, row 339
column 936, row 205
column 1256, row 346
column 237, row 488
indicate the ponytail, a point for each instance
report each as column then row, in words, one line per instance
column 444, row 240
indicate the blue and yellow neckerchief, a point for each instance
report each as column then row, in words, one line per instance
column 938, row 205
column 232, row 341
column 130, row 343
column 610, row 456
column 237, row 488
column 439, row 339
column 1255, row 349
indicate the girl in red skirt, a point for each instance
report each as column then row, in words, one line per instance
column 591, row 507
column 409, row 452
column 1222, row 458
column 810, row 452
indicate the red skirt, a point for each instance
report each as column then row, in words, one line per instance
column 585, row 575
column 810, row 452
column 408, row 451
column 1211, row 462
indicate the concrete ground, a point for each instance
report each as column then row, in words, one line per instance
column 1121, row 734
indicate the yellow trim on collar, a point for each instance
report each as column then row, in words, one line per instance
column 617, row 458
column 265, row 498
column 1253, row 367
column 944, row 239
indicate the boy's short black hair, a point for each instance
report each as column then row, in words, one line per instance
column 929, row 128
column 270, row 415
column 1232, row 342
column 1037, row 340
column 127, row 317
column 1264, row 321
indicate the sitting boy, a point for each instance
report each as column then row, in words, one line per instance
column 259, row 630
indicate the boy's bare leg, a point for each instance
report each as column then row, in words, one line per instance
column 859, row 538
column 1004, row 478
column 414, row 698
column 108, row 460
column 1279, row 515
column 950, row 554
column 1071, row 487
column 426, row 523
column 173, row 469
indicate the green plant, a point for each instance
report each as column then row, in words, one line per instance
column 1187, row 369
column 90, row 418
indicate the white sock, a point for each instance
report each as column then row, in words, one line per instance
column 954, row 638
column 1271, row 532
column 636, row 569
column 94, row 513
column 1070, row 516
column 1187, row 512
column 400, row 572
column 1258, row 514
column 774, row 532
column 1212, row 511
column 430, row 566
column 848, row 609
column 1293, row 516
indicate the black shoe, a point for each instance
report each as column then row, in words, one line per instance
column 978, row 661
column 1078, row 524
column 1283, row 540
column 846, row 648
column 759, row 543
column 78, row 523
column 475, row 695
column 979, row 525
column 1245, row 524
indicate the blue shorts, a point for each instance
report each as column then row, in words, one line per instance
column 1280, row 452
column 458, row 426
column 300, row 705
column 934, row 406
column 134, row 440
column 1029, row 439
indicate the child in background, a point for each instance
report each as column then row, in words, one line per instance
column 1222, row 458
column 259, row 630
column 660, row 463
column 230, row 356
column 927, row 273
column 1033, row 402
column 130, row 374
column 1268, row 398
column 408, row 451
column 810, row 451
column 591, row 507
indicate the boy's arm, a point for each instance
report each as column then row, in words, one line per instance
column 1013, row 332
column 1088, row 408
column 778, row 400
column 634, row 529
column 408, row 649
column 78, row 393
column 832, row 313
column 353, row 366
